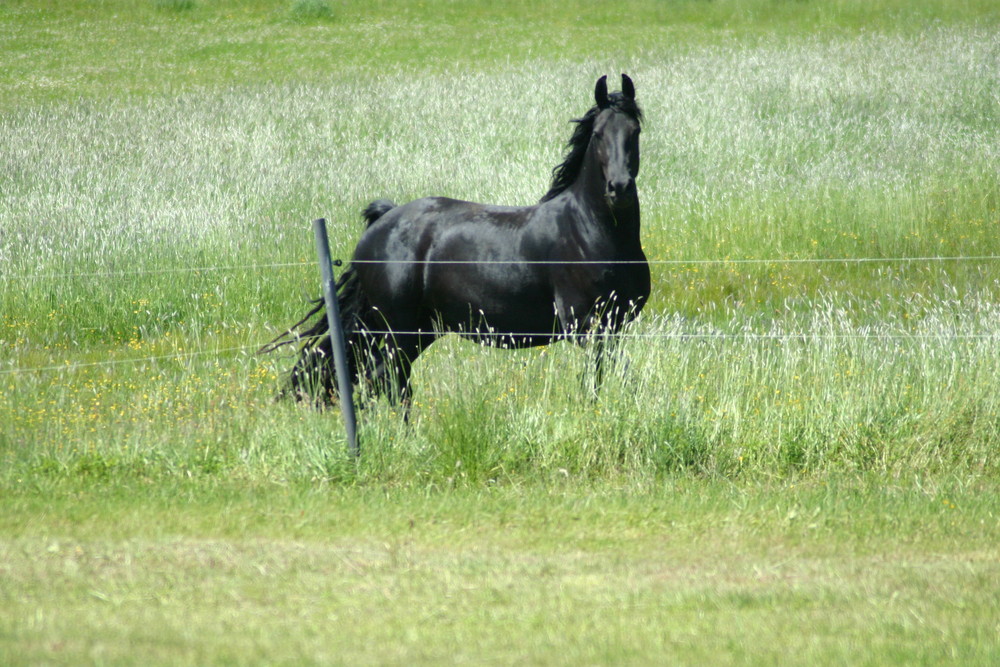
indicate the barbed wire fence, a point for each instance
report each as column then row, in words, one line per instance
column 712, row 335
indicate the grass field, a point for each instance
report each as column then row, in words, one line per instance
column 794, row 460
column 682, row 571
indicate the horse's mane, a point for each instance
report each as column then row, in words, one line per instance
column 565, row 173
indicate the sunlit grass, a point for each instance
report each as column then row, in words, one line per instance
column 176, row 230
column 791, row 460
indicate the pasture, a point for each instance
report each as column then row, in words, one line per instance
column 794, row 458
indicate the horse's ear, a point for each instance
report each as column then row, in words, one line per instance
column 628, row 88
column 601, row 93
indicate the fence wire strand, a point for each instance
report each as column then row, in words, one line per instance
column 690, row 336
column 120, row 362
column 726, row 261
column 142, row 272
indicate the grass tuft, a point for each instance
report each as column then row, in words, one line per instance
column 174, row 5
column 311, row 10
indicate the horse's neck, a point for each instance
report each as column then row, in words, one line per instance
column 620, row 224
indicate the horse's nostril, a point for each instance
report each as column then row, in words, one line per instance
column 618, row 188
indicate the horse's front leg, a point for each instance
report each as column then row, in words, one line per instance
column 598, row 329
column 598, row 343
column 580, row 331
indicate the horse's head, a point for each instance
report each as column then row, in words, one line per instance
column 615, row 139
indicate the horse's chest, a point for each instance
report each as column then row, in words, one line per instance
column 587, row 283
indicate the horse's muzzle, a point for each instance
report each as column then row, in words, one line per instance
column 618, row 189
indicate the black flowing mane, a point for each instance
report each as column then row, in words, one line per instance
column 565, row 173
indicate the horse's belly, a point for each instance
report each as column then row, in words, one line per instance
column 496, row 299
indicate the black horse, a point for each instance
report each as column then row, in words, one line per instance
column 569, row 266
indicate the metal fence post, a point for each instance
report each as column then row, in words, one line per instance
column 336, row 336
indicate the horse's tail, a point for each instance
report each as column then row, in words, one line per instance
column 377, row 209
column 313, row 376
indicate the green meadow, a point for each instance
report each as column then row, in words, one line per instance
column 794, row 458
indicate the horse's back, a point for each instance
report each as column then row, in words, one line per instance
column 420, row 229
column 451, row 260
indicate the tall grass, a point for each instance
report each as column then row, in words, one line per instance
column 811, row 393
column 863, row 148
column 178, row 227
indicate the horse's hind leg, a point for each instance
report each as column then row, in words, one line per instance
column 606, row 339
